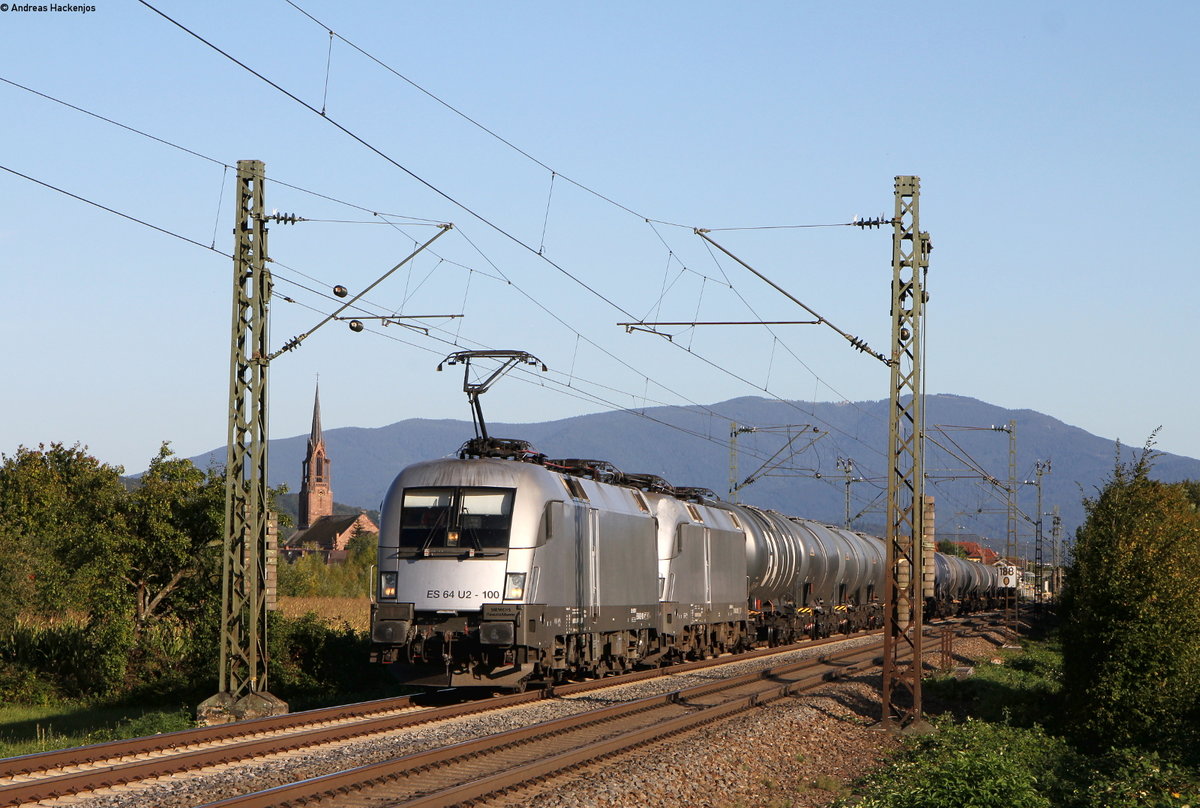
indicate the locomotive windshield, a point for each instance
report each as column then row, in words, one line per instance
column 467, row 518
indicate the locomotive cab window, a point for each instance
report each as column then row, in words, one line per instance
column 466, row 518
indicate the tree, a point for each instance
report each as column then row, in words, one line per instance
column 1131, row 632
column 60, row 512
column 139, row 563
column 1192, row 489
column 175, row 516
column 303, row 577
column 311, row 576
column 61, row 517
column 947, row 547
column 362, row 548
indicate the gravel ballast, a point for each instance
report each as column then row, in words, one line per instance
column 799, row 752
column 795, row 751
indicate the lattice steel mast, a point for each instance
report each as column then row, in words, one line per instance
column 247, row 567
column 243, row 686
column 1012, row 615
column 1042, row 468
column 905, row 495
column 1056, row 543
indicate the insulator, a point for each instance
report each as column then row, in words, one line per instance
column 340, row 291
column 356, row 326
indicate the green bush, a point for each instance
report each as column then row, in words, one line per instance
column 973, row 765
column 154, row 722
column 314, row 664
column 1014, row 761
column 1125, row 778
column 310, row 577
column 981, row 765
column 59, row 655
column 23, row 685
column 1131, row 605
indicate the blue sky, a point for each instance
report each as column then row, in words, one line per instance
column 1054, row 142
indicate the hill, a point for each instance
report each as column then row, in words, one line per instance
column 689, row 446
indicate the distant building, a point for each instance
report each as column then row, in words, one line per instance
column 319, row 530
column 977, row 551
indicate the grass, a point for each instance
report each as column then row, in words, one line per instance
column 25, row 730
column 1019, row 691
column 355, row 612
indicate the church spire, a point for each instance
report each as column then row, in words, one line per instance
column 316, row 437
column 316, row 493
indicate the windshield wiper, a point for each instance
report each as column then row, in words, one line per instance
column 470, row 532
column 433, row 529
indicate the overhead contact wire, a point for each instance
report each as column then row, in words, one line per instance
column 577, row 394
column 429, row 185
column 415, row 176
column 587, row 189
column 116, row 212
column 366, row 144
column 226, row 166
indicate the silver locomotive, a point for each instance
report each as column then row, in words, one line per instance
column 512, row 570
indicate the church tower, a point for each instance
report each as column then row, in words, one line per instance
column 316, row 497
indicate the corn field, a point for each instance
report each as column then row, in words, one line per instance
column 355, row 612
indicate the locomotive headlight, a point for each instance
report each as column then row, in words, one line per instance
column 387, row 584
column 514, row 586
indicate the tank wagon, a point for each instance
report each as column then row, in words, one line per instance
column 515, row 570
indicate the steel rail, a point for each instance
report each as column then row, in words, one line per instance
column 119, row 771
column 379, row 775
column 108, row 764
column 32, row 764
column 837, row 666
column 83, row 755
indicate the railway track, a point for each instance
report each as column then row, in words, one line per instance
column 52, row 775
column 494, row 764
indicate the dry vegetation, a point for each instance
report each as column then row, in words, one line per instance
column 356, row 612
